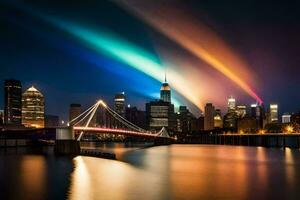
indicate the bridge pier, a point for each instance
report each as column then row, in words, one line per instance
column 65, row 143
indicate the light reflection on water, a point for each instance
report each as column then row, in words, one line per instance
column 164, row 172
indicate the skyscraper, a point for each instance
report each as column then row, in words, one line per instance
column 209, row 116
column 12, row 102
column 74, row 111
column 231, row 104
column 120, row 103
column 273, row 113
column 33, row 108
column 160, row 114
column 165, row 91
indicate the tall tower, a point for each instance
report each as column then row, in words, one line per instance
column 165, row 91
column 209, row 117
column 120, row 103
column 12, row 102
column 33, row 108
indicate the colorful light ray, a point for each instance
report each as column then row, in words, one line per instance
column 120, row 49
column 194, row 37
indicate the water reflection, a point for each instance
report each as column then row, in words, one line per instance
column 164, row 172
column 289, row 166
column 33, row 176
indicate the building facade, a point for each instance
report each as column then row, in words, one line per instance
column 120, row 103
column 12, row 102
column 231, row 104
column 209, row 112
column 286, row 118
column 160, row 114
column 33, row 108
column 218, row 121
column 241, row 111
column 74, row 111
column 273, row 113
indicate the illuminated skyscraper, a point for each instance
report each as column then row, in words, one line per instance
column 165, row 91
column 12, row 102
column 209, row 117
column 33, row 107
column 231, row 104
column 120, row 103
column 273, row 113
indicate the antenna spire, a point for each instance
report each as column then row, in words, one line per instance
column 165, row 76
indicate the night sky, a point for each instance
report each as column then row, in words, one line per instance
column 69, row 69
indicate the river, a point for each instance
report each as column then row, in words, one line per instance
column 162, row 172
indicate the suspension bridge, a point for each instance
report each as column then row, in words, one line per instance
column 101, row 119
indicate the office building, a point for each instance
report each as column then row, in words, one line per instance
column 165, row 91
column 120, row 103
column 241, row 111
column 33, row 108
column 218, row 121
column 230, row 121
column 160, row 114
column 258, row 112
column 295, row 118
column 231, row 104
column 286, row 118
column 209, row 112
column 74, row 111
column 12, row 102
column 247, row 124
column 273, row 113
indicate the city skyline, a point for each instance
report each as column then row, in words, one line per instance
column 96, row 74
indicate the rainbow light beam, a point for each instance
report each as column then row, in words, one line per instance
column 132, row 55
column 181, row 28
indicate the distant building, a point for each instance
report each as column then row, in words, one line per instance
column 51, row 121
column 33, row 108
column 12, row 102
column 165, row 92
column 136, row 116
column 286, row 118
column 241, row 111
column 1, row 117
column 120, row 103
column 247, row 124
column 230, row 121
column 74, row 111
column 209, row 116
column 258, row 112
column 231, row 104
column 160, row 114
column 218, row 121
column 273, row 113
column 295, row 118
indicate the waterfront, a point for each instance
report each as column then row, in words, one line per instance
column 163, row 172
